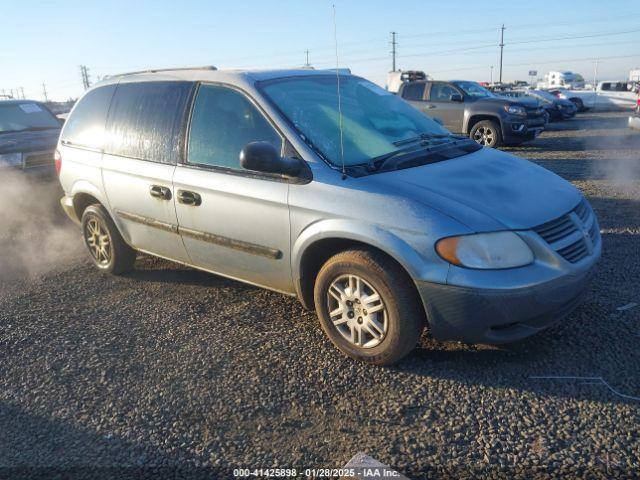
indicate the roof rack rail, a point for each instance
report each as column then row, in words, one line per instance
column 155, row 70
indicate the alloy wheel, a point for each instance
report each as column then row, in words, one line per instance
column 484, row 136
column 98, row 241
column 357, row 311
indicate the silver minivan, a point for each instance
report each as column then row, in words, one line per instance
column 322, row 185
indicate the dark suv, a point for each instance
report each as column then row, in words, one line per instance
column 28, row 134
column 467, row 108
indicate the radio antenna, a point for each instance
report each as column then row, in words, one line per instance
column 335, row 40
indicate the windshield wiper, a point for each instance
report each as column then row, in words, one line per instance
column 29, row 129
column 425, row 149
column 422, row 136
column 426, row 139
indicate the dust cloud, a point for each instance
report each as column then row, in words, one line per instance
column 619, row 164
column 35, row 235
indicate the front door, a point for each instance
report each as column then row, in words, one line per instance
column 440, row 106
column 232, row 221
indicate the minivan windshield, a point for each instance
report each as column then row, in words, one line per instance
column 374, row 122
column 25, row 116
column 473, row 89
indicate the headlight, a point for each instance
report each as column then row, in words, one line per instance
column 515, row 110
column 485, row 250
column 11, row 159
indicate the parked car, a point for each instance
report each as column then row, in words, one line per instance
column 609, row 95
column 634, row 119
column 556, row 108
column 467, row 108
column 28, row 135
column 358, row 204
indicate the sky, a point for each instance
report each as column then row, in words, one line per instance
column 47, row 41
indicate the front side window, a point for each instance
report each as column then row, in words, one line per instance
column 223, row 121
column 373, row 120
column 441, row 92
column 145, row 120
column 25, row 116
column 413, row 91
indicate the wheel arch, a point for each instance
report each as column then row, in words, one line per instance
column 323, row 240
column 479, row 117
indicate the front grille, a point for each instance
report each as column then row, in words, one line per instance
column 574, row 235
column 533, row 112
column 38, row 159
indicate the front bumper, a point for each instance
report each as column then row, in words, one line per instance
column 494, row 316
column 520, row 129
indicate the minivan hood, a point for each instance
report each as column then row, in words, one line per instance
column 487, row 190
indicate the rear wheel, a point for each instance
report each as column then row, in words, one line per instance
column 486, row 133
column 579, row 104
column 107, row 248
column 368, row 307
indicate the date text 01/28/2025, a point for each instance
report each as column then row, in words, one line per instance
column 367, row 472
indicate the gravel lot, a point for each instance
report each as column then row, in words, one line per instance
column 172, row 372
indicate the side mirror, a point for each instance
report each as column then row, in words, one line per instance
column 456, row 97
column 263, row 157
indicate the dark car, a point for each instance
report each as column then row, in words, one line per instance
column 556, row 108
column 467, row 108
column 28, row 134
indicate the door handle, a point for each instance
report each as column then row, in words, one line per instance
column 158, row 191
column 189, row 198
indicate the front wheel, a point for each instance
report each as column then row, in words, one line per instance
column 108, row 250
column 368, row 306
column 487, row 133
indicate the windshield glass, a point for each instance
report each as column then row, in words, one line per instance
column 473, row 89
column 25, row 116
column 544, row 95
column 374, row 121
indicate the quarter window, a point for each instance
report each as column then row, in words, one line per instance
column 85, row 125
column 145, row 120
column 223, row 122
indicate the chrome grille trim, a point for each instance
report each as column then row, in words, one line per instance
column 575, row 235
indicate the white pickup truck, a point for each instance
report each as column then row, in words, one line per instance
column 608, row 95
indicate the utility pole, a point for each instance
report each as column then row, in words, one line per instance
column 491, row 74
column 84, row 72
column 595, row 84
column 501, row 49
column 393, row 51
column 306, row 52
column 44, row 92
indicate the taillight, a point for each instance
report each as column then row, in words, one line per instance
column 57, row 158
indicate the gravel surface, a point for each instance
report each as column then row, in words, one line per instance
column 170, row 372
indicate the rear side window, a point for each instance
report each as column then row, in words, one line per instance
column 85, row 125
column 223, row 122
column 413, row 91
column 145, row 120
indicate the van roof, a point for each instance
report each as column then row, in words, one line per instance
column 212, row 73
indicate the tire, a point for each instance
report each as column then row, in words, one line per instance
column 108, row 250
column 487, row 133
column 579, row 104
column 400, row 319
